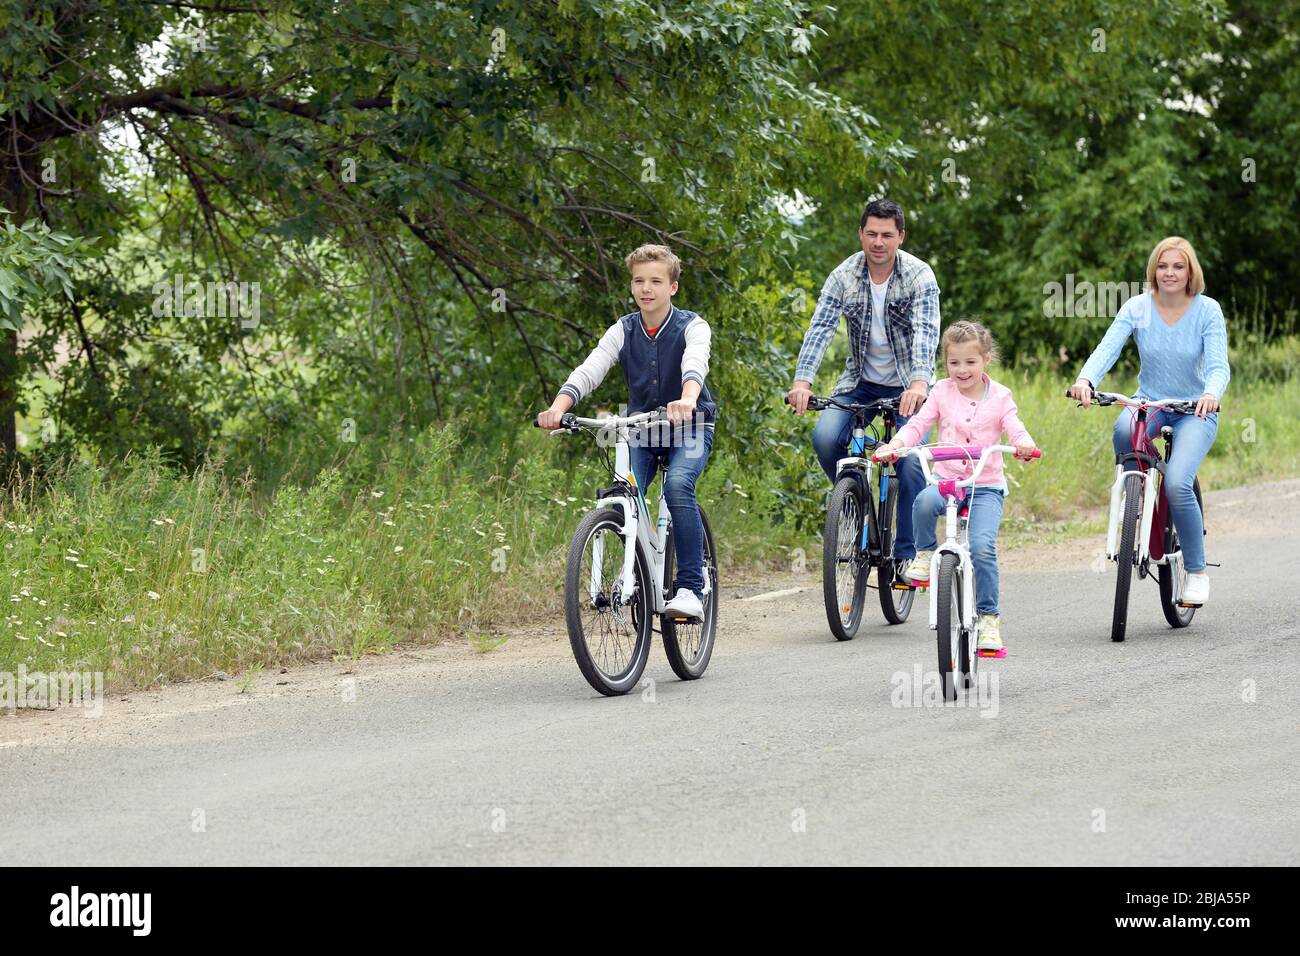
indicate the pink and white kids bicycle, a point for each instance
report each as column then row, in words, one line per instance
column 952, row 573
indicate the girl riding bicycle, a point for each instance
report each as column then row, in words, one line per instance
column 1182, row 342
column 970, row 409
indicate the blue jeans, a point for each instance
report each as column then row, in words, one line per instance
column 985, row 516
column 686, row 458
column 831, row 440
column 1192, row 440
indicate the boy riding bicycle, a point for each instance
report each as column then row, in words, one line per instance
column 664, row 354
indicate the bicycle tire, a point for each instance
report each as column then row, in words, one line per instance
column 1125, row 560
column 836, row 553
column 896, row 605
column 1175, row 614
column 576, row 590
column 948, row 623
column 691, row 666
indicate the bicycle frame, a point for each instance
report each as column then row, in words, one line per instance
column 956, row 528
column 861, row 464
column 637, row 530
column 1148, row 455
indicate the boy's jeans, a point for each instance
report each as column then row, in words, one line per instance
column 831, row 439
column 1192, row 440
column 985, row 516
column 686, row 458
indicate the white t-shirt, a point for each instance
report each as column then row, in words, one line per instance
column 881, row 368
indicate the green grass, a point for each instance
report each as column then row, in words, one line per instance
column 152, row 576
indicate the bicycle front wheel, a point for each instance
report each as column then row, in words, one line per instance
column 895, row 602
column 1127, row 558
column 844, row 572
column 689, row 645
column 609, row 633
column 1171, row 581
column 948, row 621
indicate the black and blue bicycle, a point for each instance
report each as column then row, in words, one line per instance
column 861, row 523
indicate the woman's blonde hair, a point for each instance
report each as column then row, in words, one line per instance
column 961, row 332
column 1195, row 277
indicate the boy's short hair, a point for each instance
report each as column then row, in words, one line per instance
column 653, row 253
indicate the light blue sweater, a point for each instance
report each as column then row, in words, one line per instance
column 1184, row 361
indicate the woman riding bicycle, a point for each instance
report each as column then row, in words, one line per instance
column 1182, row 343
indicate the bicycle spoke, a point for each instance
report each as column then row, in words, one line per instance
column 846, row 571
column 610, row 631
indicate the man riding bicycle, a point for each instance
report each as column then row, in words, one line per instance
column 891, row 301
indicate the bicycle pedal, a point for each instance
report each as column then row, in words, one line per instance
column 1186, row 605
column 904, row 587
column 996, row 655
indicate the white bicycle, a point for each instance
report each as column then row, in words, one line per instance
column 1141, row 535
column 952, row 573
column 618, row 567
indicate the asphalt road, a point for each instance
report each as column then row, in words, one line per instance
column 1176, row 747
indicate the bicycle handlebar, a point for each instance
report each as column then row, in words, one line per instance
column 817, row 403
column 572, row 423
column 1180, row 406
column 926, row 454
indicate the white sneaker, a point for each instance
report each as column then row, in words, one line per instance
column 1197, row 589
column 685, row 604
column 918, row 569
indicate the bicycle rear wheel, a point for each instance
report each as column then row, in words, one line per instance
column 895, row 603
column 1172, row 581
column 1127, row 558
column 610, row 637
column 688, row 646
column 948, row 632
column 844, row 572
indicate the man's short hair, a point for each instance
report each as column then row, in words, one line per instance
column 654, row 253
column 882, row 209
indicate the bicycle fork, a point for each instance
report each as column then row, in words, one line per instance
column 1142, row 551
column 952, row 545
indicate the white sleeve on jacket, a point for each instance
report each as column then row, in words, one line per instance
column 695, row 357
column 586, row 378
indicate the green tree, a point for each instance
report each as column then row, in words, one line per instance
column 479, row 167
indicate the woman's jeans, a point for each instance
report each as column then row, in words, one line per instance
column 985, row 516
column 1192, row 440
column 686, row 458
column 831, row 440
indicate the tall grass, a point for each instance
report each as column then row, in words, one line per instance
column 152, row 577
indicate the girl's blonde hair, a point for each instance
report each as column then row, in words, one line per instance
column 961, row 332
column 1195, row 277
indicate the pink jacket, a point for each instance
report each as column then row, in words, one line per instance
column 966, row 422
